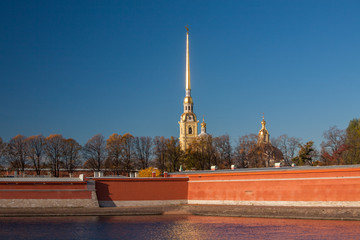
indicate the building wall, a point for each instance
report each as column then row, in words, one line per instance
column 318, row 187
column 19, row 193
column 291, row 187
column 141, row 191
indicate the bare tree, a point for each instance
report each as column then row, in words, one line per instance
column 54, row 149
column 3, row 146
column 17, row 152
column 71, row 155
column 255, row 156
column 95, row 152
column 35, row 149
column 289, row 146
column 245, row 145
column 224, row 151
column 333, row 145
column 160, row 152
column 173, row 154
column 199, row 153
column 210, row 151
column 128, row 152
column 143, row 147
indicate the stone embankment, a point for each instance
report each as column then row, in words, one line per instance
column 306, row 193
column 325, row 213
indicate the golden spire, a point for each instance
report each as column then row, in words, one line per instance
column 187, row 74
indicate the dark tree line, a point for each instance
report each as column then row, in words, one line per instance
column 124, row 153
column 120, row 154
column 210, row 151
column 38, row 152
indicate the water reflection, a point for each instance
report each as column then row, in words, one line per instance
column 174, row 227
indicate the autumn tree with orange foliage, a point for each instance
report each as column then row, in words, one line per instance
column 114, row 149
column 147, row 172
column 126, row 153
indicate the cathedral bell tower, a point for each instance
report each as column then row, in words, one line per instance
column 188, row 121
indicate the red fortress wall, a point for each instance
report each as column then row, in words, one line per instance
column 290, row 187
column 323, row 186
column 16, row 193
column 113, row 192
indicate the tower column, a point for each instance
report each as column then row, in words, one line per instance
column 188, row 121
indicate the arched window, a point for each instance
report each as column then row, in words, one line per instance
column 185, row 107
column 190, row 130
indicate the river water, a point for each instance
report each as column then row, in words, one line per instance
column 175, row 227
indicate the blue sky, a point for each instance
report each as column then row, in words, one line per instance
column 79, row 68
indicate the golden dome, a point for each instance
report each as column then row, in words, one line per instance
column 188, row 117
column 188, row 100
column 263, row 131
column 203, row 124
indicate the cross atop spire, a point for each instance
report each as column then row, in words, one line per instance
column 263, row 122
